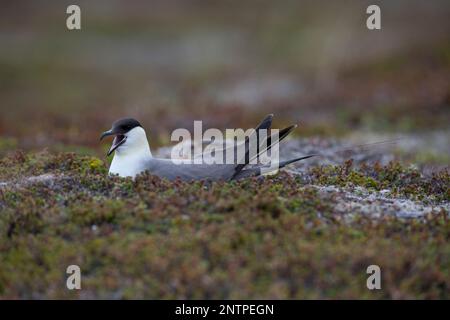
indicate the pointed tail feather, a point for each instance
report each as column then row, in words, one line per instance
column 253, row 172
column 257, row 170
column 285, row 163
column 370, row 144
column 392, row 141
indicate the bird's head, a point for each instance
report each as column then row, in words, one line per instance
column 128, row 135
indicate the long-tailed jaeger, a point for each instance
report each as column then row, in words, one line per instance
column 133, row 156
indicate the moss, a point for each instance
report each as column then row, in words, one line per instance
column 96, row 165
column 406, row 181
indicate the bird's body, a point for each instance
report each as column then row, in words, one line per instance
column 189, row 171
column 133, row 156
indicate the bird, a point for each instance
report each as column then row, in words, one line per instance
column 132, row 156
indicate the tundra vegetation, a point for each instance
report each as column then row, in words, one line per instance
column 273, row 237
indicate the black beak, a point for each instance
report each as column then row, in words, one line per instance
column 117, row 142
column 106, row 134
column 119, row 139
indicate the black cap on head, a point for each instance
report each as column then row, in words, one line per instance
column 124, row 125
column 121, row 127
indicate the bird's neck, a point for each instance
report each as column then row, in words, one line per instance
column 140, row 151
column 129, row 160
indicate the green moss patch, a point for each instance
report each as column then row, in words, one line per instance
column 405, row 181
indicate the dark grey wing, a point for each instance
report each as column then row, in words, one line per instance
column 166, row 168
column 269, row 143
column 265, row 124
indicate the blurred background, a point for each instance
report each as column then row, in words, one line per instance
column 227, row 63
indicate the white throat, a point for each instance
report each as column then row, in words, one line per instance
column 130, row 158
